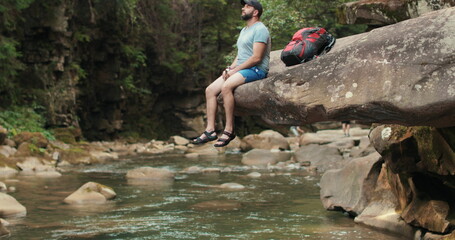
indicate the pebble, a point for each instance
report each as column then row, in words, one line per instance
column 232, row 186
column 211, row 170
column 254, row 175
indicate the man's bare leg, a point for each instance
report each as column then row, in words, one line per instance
column 227, row 91
column 211, row 94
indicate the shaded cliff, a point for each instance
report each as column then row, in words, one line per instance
column 113, row 67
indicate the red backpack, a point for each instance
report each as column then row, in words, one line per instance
column 306, row 45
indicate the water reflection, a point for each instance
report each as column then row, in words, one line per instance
column 151, row 184
column 88, row 209
column 217, row 205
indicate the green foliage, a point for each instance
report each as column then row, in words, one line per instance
column 284, row 18
column 135, row 55
column 127, row 10
column 81, row 37
column 134, row 59
column 35, row 149
column 23, row 119
column 9, row 12
column 81, row 73
column 9, row 67
column 129, row 84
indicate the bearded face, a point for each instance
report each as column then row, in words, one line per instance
column 247, row 12
column 247, row 16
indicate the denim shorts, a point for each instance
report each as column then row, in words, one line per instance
column 252, row 74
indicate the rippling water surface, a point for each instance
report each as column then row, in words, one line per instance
column 283, row 205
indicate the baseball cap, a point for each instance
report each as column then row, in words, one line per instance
column 255, row 3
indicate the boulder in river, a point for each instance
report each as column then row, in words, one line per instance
column 267, row 139
column 320, row 156
column 37, row 166
column 7, row 151
column 192, row 170
column 3, row 230
column 91, row 193
column 149, row 173
column 205, row 149
column 6, row 172
column 152, row 178
column 3, row 187
column 180, row 141
column 9, row 206
column 346, row 188
column 262, row 157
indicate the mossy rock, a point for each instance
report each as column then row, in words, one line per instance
column 3, row 134
column 69, row 135
column 34, row 138
column 7, row 162
column 77, row 156
column 436, row 153
column 29, row 150
column 420, row 148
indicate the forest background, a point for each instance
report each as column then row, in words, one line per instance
column 122, row 68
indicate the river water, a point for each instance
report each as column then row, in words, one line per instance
column 278, row 205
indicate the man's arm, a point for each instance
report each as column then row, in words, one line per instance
column 234, row 63
column 258, row 53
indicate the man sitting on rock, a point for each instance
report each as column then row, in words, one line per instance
column 250, row 64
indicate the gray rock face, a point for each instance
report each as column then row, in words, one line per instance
column 346, row 188
column 402, row 73
column 384, row 12
column 322, row 157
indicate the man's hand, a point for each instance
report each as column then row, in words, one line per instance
column 226, row 74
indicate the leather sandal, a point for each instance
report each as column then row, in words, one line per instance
column 208, row 138
column 225, row 141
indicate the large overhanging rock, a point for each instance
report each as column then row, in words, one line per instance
column 402, row 73
column 385, row 12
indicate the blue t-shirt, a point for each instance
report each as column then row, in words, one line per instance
column 258, row 32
